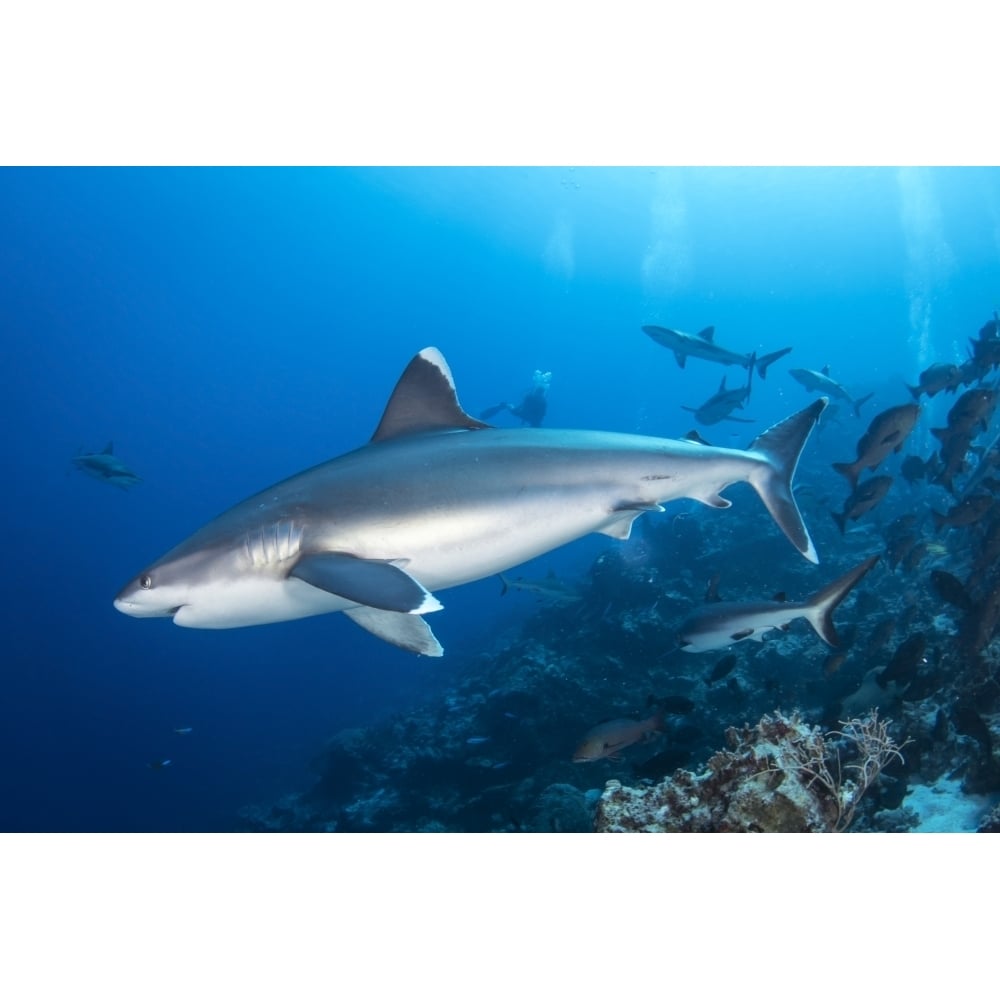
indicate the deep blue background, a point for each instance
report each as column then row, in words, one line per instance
column 229, row 327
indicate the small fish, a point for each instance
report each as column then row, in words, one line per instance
column 971, row 413
column 914, row 469
column 949, row 588
column 863, row 498
column 969, row 511
column 184, row 730
column 672, row 704
column 475, row 741
column 886, row 434
column 939, row 377
column 608, row 739
column 905, row 662
column 722, row 668
column 833, row 663
column 156, row 765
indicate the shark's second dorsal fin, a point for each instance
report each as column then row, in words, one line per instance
column 424, row 400
column 708, row 333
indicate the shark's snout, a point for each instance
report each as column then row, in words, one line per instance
column 137, row 609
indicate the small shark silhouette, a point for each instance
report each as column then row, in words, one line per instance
column 104, row 465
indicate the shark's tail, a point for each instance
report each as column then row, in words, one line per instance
column 820, row 607
column 858, row 403
column 769, row 359
column 781, row 446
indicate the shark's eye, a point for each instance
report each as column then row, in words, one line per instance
column 145, row 582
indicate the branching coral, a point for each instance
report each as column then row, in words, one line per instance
column 780, row 775
column 811, row 754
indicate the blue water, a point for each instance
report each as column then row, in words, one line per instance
column 229, row 327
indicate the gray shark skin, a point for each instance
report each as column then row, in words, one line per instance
column 716, row 626
column 438, row 499
column 702, row 345
column 104, row 465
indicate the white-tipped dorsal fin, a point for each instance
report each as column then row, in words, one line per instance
column 424, row 400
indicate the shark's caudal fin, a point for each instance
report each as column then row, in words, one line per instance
column 820, row 607
column 781, row 446
column 769, row 359
column 858, row 403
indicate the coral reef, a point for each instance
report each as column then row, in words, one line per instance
column 489, row 745
column 780, row 776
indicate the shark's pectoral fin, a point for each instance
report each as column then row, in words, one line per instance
column 681, row 358
column 625, row 514
column 409, row 632
column 366, row 581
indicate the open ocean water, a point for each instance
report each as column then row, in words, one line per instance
column 227, row 328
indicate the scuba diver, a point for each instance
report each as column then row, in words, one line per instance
column 531, row 409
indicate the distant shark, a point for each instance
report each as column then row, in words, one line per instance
column 702, row 345
column 716, row 626
column 437, row 499
column 104, row 465
column 813, row 381
column 550, row 589
column 721, row 405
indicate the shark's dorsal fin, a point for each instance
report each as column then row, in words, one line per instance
column 424, row 400
column 109, row 448
column 722, row 384
column 825, row 370
column 707, row 334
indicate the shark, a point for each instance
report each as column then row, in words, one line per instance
column 720, row 406
column 716, row 626
column 813, row 381
column 703, row 345
column 107, row 467
column 437, row 499
column 550, row 589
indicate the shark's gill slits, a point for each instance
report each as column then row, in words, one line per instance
column 273, row 543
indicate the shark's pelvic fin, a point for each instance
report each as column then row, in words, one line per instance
column 370, row 582
column 621, row 527
column 409, row 632
column 424, row 400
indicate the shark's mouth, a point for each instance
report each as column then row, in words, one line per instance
column 173, row 611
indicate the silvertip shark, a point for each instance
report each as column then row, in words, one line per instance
column 107, row 467
column 716, row 626
column 437, row 499
column 702, row 345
